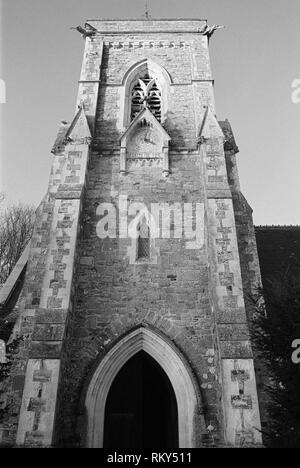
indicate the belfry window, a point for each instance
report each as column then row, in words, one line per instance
column 143, row 241
column 146, row 93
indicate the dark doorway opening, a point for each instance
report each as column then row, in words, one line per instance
column 141, row 408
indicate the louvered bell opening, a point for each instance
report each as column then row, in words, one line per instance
column 136, row 100
column 153, row 98
column 154, row 102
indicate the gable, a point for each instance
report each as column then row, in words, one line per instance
column 145, row 119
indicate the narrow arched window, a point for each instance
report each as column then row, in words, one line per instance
column 143, row 240
column 146, row 93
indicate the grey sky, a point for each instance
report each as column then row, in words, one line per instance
column 254, row 61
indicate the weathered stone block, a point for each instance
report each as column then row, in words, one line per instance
column 241, row 401
column 48, row 332
column 235, row 349
column 45, row 350
column 18, row 382
column 234, row 332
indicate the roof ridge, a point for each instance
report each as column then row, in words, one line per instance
column 277, row 226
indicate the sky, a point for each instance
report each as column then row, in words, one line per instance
column 255, row 61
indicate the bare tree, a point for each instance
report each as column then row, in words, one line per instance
column 16, row 225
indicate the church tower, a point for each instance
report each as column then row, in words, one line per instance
column 132, row 313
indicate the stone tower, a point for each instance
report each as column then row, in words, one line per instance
column 132, row 313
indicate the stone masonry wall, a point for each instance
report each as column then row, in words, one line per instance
column 178, row 292
column 172, row 292
column 114, row 296
column 191, row 87
column 85, row 292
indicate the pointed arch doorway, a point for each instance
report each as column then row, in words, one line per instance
column 142, row 350
column 141, row 407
